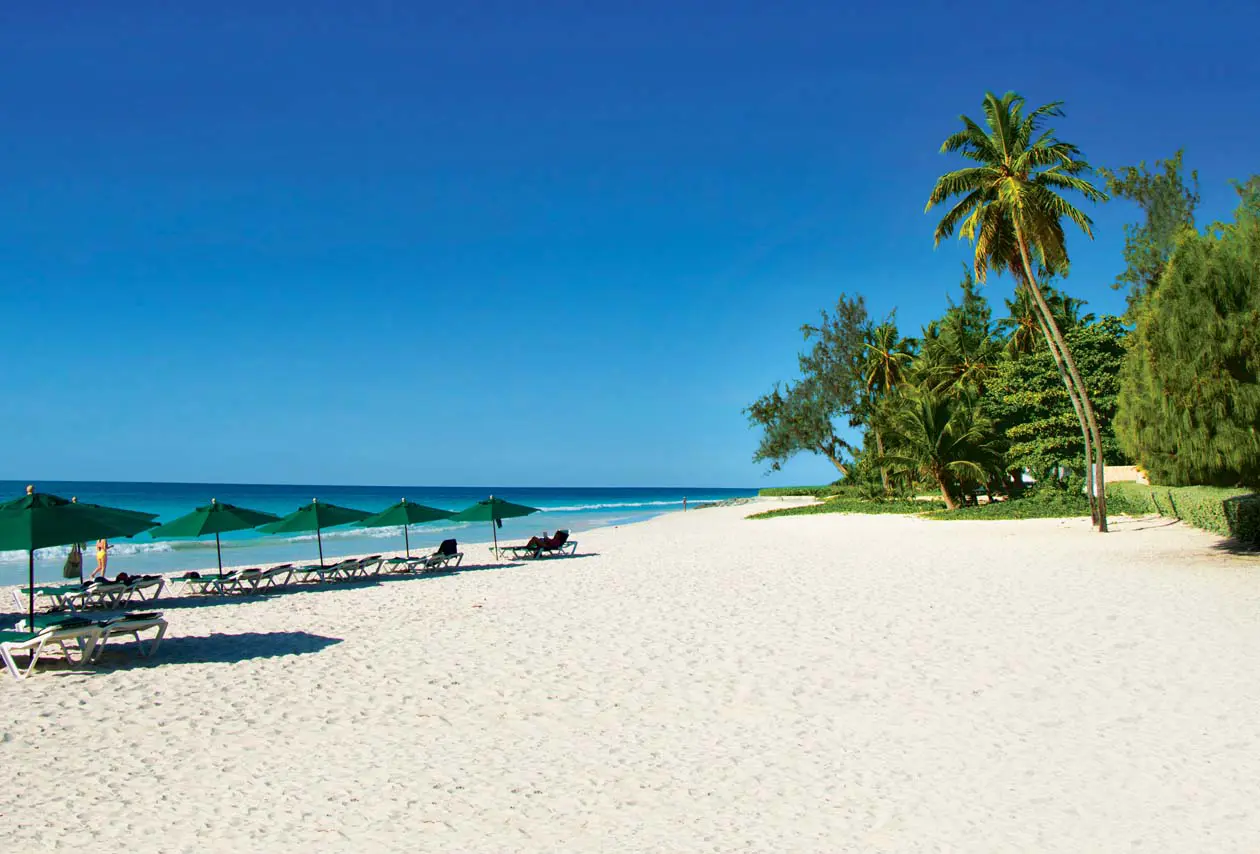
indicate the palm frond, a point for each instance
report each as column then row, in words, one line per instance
column 1053, row 178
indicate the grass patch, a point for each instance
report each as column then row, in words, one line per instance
column 852, row 505
column 1051, row 505
column 828, row 491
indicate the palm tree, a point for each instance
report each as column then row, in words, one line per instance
column 1023, row 325
column 943, row 438
column 1011, row 210
column 884, row 360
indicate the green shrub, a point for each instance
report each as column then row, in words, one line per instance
column 813, row 491
column 1221, row 510
column 852, row 505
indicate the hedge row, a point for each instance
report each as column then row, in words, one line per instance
column 815, row 491
column 1228, row 512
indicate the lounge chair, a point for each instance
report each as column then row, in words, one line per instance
column 54, row 593
column 275, row 576
column 137, row 585
column 447, row 554
column 247, row 580
column 369, row 566
column 84, row 634
column 529, row 549
column 309, row 572
column 329, row 572
column 96, row 593
column 132, row 624
column 343, row 570
column 559, row 544
column 204, row 584
column 397, row 564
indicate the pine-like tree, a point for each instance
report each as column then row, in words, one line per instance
column 1190, row 387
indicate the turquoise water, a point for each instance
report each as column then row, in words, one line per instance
column 578, row 509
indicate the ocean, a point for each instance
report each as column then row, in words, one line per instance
column 574, row 508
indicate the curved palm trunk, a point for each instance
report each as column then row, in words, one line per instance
column 883, row 469
column 1080, row 414
column 943, row 482
column 1066, row 355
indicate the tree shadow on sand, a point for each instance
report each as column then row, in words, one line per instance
column 1237, row 547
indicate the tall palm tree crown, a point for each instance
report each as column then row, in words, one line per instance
column 1013, row 191
column 886, row 357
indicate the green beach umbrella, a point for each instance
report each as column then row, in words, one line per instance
column 38, row 521
column 405, row 513
column 315, row 517
column 214, row 518
column 493, row 510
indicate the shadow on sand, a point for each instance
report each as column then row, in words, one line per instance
column 227, row 648
column 1238, row 547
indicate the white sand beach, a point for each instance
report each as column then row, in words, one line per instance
column 695, row 683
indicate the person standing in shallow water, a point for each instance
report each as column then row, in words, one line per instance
column 102, row 557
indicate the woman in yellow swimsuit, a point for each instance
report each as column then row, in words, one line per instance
column 102, row 557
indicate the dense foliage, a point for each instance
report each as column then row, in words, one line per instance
column 1190, row 389
column 976, row 404
column 1030, row 406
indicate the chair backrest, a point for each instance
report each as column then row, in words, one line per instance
column 558, row 540
column 448, row 547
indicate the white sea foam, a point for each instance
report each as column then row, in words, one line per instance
column 115, row 549
column 577, row 508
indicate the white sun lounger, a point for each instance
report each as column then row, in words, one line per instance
column 133, row 625
column 136, row 587
column 103, row 594
column 209, row 583
column 85, row 636
column 368, row 566
column 54, row 594
column 446, row 557
column 276, row 576
column 330, row 572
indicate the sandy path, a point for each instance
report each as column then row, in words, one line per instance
column 694, row 683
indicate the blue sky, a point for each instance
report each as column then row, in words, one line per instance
column 544, row 244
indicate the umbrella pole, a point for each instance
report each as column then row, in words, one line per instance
column 496, row 538
column 30, row 590
column 320, row 540
column 219, row 551
column 407, row 540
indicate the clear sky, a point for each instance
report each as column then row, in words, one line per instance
column 504, row 243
